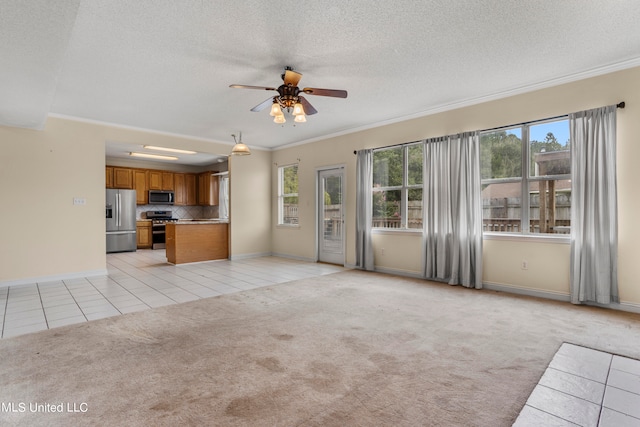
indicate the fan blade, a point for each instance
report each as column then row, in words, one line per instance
column 336, row 93
column 263, row 105
column 291, row 77
column 308, row 108
column 252, row 87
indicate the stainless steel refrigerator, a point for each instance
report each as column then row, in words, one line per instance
column 121, row 220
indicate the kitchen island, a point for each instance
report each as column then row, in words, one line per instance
column 197, row 240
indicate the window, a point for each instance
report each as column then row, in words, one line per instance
column 288, row 195
column 397, row 187
column 533, row 160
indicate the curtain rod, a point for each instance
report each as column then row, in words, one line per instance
column 618, row 105
column 391, row 146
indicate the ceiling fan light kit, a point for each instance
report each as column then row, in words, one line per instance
column 289, row 98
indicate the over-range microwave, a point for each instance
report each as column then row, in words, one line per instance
column 158, row 197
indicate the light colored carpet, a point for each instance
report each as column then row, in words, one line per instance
column 346, row 349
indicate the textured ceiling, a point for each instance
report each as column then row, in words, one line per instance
column 166, row 65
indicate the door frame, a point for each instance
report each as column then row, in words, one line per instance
column 343, row 169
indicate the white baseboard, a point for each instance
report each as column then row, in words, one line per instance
column 557, row 296
column 622, row 306
column 54, row 278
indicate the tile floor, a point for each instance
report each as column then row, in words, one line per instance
column 585, row 387
column 139, row 281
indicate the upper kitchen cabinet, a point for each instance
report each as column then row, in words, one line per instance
column 109, row 177
column 140, row 185
column 122, row 178
column 190, row 189
column 185, row 189
column 161, row 180
column 207, row 189
column 155, row 180
column 168, row 181
column 191, row 185
column 119, row 177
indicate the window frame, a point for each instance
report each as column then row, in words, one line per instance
column 404, row 189
column 282, row 195
column 525, row 180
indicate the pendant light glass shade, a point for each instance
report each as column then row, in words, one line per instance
column 300, row 118
column 240, row 149
column 297, row 109
column 275, row 110
column 279, row 119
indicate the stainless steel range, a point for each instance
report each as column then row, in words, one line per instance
column 159, row 219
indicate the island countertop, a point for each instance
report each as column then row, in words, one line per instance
column 194, row 241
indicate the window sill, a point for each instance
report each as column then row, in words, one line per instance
column 530, row 238
column 538, row 238
column 416, row 231
column 289, row 226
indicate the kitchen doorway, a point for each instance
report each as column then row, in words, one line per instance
column 330, row 215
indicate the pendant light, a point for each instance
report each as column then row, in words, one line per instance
column 239, row 149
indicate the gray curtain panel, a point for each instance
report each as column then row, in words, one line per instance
column 594, row 216
column 453, row 210
column 364, row 182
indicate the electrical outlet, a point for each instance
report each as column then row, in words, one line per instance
column 525, row 264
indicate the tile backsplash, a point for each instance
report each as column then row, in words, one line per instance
column 181, row 212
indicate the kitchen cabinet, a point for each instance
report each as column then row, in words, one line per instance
column 116, row 177
column 155, row 180
column 194, row 242
column 161, row 180
column 179, row 189
column 140, row 185
column 191, row 183
column 190, row 189
column 185, row 189
column 168, row 181
column 207, row 189
column 109, row 177
column 144, row 234
column 122, row 178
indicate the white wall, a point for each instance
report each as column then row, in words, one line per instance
column 548, row 270
column 250, row 205
column 43, row 233
column 299, row 241
column 44, row 236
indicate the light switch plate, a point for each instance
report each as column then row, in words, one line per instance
column 79, row 201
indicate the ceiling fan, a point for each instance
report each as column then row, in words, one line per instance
column 289, row 97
